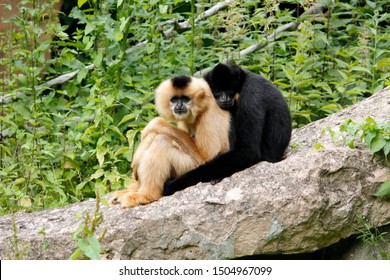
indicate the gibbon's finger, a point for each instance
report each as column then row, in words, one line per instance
column 216, row 181
column 115, row 197
column 132, row 199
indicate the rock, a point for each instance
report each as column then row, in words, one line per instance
column 308, row 201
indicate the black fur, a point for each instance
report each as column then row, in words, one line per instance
column 180, row 82
column 261, row 125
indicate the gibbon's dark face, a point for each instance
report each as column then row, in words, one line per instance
column 180, row 105
column 225, row 81
column 224, row 98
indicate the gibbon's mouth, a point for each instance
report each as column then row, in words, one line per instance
column 180, row 114
column 226, row 104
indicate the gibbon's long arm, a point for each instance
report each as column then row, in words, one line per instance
column 245, row 153
column 222, row 166
column 261, row 125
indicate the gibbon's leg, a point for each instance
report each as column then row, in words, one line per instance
column 146, row 142
column 163, row 159
column 179, row 135
column 137, row 158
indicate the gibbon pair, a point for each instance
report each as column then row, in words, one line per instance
column 260, row 125
column 167, row 151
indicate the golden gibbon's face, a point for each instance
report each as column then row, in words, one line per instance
column 180, row 106
column 183, row 98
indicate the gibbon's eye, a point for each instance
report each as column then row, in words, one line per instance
column 185, row 99
column 174, row 99
column 182, row 99
column 224, row 98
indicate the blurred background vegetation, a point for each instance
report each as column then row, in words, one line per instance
column 61, row 140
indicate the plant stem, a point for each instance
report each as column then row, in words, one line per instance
column 192, row 53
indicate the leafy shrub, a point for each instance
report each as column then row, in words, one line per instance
column 375, row 135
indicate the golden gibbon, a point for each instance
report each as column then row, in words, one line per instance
column 167, row 151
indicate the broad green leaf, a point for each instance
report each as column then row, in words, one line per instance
column 89, row 28
column 127, row 118
column 5, row 149
column 121, row 151
column 97, row 174
column 124, row 22
column 150, row 48
column 3, row 119
column 19, row 181
column 163, row 9
column 386, row 148
column 25, row 202
column 81, row 185
column 127, row 78
column 384, row 189
column 81, row 3
column 100, row 153
column 75, row 255
column 90, row 247
column 377, row 144
column 361, row 69
column 383, row 63
column 82, row 74
column 98, row 59
column 117, row 131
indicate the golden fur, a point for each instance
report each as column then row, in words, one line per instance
column 167, row 151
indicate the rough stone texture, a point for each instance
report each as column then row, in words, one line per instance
column 308, row 201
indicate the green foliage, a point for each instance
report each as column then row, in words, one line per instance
column 88, row 244
column 375, row 135
column 60, row 144
column 384, row 189
column 374, row 238
column 18, row 253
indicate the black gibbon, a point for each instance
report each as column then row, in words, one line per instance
column 167, row 151
column 260, row 130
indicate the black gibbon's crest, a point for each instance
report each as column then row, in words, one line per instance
column 180, row 82
column 226, row 77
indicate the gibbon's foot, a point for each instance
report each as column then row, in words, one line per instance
column 216, row 181
column 129, row 198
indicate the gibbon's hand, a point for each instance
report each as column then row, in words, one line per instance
column 216, row 181
column 168, row 189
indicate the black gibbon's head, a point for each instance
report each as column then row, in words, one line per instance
column 225, row 81
column 182, row 98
